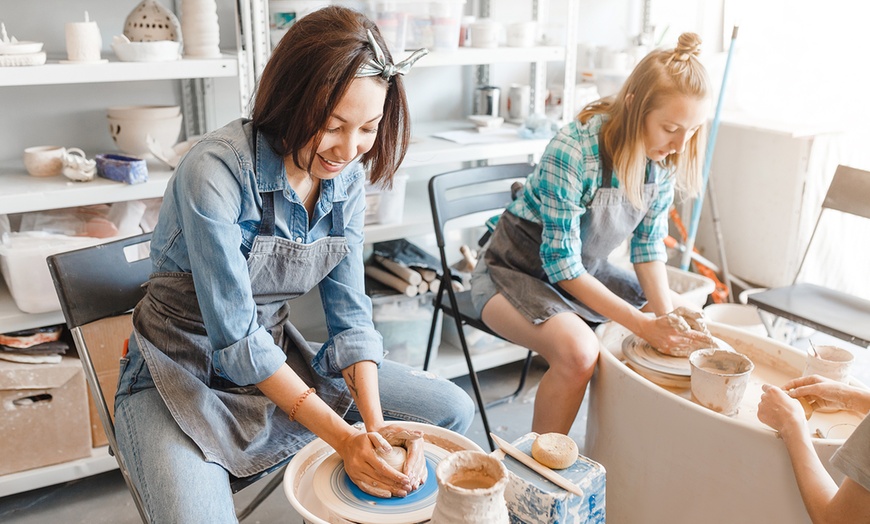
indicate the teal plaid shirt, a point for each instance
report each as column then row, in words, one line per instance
column 557, row 194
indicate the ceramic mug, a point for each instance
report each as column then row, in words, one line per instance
column 44, row 160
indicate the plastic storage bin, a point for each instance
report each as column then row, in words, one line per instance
column 22, row 262
column 412, row 24
column 386, row 206
column 404, row 322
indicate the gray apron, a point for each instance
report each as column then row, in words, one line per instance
column 237, row 426
column 514, row 263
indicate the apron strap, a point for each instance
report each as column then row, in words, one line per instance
column 607, row 179
column 337, row 229
column 267, row 222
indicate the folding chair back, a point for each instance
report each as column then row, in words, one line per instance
column 96, row 284
column 453, row 196
column 827, row 310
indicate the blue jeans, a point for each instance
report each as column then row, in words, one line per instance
column 177, row 485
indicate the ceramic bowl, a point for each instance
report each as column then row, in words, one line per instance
column 130, row 135
column 122, row 168
column 44, row 160
column 157, row 51
column 144, row 112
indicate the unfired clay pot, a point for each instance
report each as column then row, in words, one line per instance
column 471, row 488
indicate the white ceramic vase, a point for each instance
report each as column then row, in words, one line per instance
column 151, row 21
column 199, row 24
column 471, row 488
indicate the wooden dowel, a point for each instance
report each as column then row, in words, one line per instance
column 391, row 280
column 400, row 270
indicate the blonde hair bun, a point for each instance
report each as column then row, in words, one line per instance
column 688, row 45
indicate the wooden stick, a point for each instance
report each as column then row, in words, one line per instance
column 537, row 467
column 391, row 280
column 400, row 270
column 427, row 274
column 422, row 287
column 434, row 285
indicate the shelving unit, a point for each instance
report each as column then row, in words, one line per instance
column 22, row 193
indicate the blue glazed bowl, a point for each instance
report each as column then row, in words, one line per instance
column 122, row 168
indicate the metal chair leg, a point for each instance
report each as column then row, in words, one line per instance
column 475, row 384
column 274, row 482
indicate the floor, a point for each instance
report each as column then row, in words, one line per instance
column 104, row 499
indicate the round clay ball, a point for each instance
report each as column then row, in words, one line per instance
column 396, row 458
column 555, row 450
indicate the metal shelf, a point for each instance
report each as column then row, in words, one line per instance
column 486, row 56
column 99, row 462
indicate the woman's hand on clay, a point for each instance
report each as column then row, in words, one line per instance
column 673, row 334
column 779, row 411
column 412, row 441
column 367, row 470
column 823, row 393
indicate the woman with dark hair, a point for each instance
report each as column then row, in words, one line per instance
column 608, row 176
column 218, row 383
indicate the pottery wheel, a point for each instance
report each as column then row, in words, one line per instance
column 662, row 369
column 337, row 492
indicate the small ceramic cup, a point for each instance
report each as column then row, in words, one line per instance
column 831, row 362
column 486, row 33
column 719, row 379
column 83, row 42
column 44, row 160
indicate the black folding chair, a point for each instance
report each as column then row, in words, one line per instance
column 836, row 313
column 95, row 285
column 455, row 195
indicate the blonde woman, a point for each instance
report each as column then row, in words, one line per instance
column 544, row 280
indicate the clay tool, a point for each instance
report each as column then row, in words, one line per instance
column 813, row 351
column 537, row 467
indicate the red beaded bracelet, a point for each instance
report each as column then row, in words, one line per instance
column 299, row 402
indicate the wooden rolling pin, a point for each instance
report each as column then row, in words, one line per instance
column 400, row 270
column 391, row 280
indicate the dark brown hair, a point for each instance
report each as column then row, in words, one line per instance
column 308, row 73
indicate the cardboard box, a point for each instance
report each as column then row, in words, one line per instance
column 106, row 340
column 531, row 498
column 44, row 414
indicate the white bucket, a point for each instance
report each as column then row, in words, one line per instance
column 741, row 316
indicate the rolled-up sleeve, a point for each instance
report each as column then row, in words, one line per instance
column 647, row 242
column 352, row 336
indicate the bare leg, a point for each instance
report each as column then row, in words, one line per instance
column 570, row 348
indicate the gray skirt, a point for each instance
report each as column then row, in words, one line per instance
column 510, row 264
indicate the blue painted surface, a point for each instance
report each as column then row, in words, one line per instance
column 122, row 168
column 532, row 499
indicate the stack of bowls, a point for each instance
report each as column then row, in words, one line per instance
column 130, row 125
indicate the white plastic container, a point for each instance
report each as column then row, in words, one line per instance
column 22, row 262
column 386, row 206
column 741, row 316
column 430, row 24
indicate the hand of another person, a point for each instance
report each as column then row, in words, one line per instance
column 822, row 392
column 779, row 411
column 368, row 471
column 412, row 441
column 678, row 333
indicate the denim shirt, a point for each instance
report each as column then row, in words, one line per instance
column 208, row 221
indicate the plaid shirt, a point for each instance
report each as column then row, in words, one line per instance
column 558, row 193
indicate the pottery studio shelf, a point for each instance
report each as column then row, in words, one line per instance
column 55, row 73
column 497, row 55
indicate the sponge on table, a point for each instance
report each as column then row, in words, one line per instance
column 555, row 450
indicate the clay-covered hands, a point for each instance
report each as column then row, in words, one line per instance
column 679, row 333
column 780, row 411
column 412, row 441
column 365, row 465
